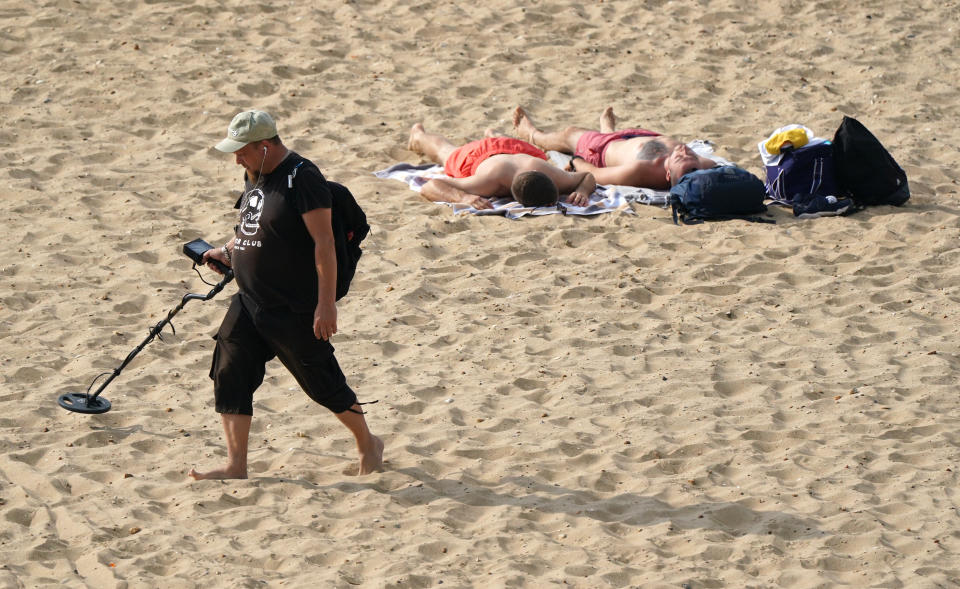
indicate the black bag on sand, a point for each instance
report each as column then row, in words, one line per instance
column 865, row 170
column 714, row 194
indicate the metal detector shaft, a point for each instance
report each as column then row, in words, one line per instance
column 87, row 403
column 156, row 329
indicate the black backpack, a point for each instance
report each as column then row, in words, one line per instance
column 349, row 229
column 724, row 192
column 864, row 169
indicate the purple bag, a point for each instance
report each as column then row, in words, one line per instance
column 803, row 171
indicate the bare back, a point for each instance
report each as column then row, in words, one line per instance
column 492, row 178
column 496, row 173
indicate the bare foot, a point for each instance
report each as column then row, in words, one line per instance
column 218, row 474
column 608, row 121
column 489, row 132
column 523, row 125
column 416, row 132
column 372, row 459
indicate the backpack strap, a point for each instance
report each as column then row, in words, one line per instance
column 698, row 220
column 293, row 174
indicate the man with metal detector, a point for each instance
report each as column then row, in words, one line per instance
column 283, row 257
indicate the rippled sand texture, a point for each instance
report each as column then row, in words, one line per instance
column 605, row 402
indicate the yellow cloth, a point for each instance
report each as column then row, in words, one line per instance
column 797, row 137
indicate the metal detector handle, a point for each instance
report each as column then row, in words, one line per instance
column 223, row 268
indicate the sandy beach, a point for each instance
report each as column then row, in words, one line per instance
column 613, row 401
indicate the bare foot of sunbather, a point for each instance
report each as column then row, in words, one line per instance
column 564, row 140
column 523, row 125
column 416, row 132
column 433, row 146
column 608, row 121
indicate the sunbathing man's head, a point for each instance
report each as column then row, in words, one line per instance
column 534, row 189
column 682, row 160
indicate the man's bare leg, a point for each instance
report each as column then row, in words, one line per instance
column 608, row 121
column 369, row 446
column 565, row 140
column 435, row 147
column 236, row 430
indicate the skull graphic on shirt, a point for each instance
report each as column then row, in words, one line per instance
column 251, row 211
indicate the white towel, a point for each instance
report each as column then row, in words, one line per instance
column 603, row 200
column 773, row 159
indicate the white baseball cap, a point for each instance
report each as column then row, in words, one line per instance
column 247, row 127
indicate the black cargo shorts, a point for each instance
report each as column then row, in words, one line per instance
column 250, row 336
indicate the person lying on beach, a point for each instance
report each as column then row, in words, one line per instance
column 497, row 166
column 628, row 157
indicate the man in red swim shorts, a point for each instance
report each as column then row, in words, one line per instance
column 629, row 157
column 497, row 166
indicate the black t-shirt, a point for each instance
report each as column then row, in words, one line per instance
column 273, row 252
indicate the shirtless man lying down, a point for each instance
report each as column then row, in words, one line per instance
column 497, row 166
column 628, row 157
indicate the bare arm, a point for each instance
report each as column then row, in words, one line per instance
column 321, row 230
column 644, row 174
column 578, row 164
column 472, row 191
column 579, row 186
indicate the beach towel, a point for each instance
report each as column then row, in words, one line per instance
column 606, row 198
column 603, row 200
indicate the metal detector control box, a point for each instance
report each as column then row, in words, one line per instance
column 195, row 250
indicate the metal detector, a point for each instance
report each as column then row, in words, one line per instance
column 87, row 403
